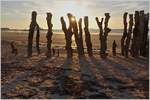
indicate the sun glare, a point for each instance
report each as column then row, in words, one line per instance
column 72, row 19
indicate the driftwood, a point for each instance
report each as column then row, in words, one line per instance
column 88, row 37
column 124, row 33
column 103, row 34
column 114, row 45
column 33, row 26
column 126, row 49
column 49, row 34
column 68, row 35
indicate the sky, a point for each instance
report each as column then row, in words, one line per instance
column 16, row 14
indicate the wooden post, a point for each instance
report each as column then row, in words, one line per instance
column 124, row 33
column 88, row 37
column 128, row 35
column 106, row 31
column 76, row 35
column 80, row 37
column 145, row 38
column 141, row 30
column 114, row 45
column 68, row 37
column 144, row 20
column 38, row 39
column 33, row 26
column 49, row 34
column 135, row 40
column 103, row 34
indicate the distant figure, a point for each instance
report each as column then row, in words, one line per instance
column 114, row 48
column 13, row 48
column 57, row 52
column 53, row 51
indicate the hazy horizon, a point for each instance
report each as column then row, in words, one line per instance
column 17, row 14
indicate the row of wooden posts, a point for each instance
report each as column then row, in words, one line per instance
column 139, row 41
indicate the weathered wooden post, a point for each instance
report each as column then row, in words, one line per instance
column 106, row 30
column 76, row 35
column 144, row 20
column 80, row 37
column 103, row 34
column 141, row 30
column 38, row 39
column 127, row 44
column 145, row 38
column 114, row 45
column 68, row 36
column 135, row 44
column 33, row 26
column 124, row 33
column 49, row 34
column 88, row 37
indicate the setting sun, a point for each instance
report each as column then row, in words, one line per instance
column 72, row 19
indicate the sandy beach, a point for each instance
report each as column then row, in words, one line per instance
column 58, row 77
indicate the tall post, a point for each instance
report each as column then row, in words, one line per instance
column 49, row 34
column 141, row 30
column 128, row 35
column 135, row 40
column 33, row 26
column 80, row 37
column 88, row 37
column 114, row 45
column 106, row 30
column 68, row 37
column 124, row 33
column 145, row 52
column 103, row 34
column 76, row 35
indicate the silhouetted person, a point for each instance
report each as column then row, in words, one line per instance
column 53, row 51
column 114, row 48
column 13, row 48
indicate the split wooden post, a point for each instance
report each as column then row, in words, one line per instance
column 103, row 34
column 128, row 35
column 68, row 36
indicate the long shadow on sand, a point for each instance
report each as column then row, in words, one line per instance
column 62, row 85
column 90, row 82
column 123, row 80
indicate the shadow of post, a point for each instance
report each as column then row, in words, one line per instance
column 90, row 82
